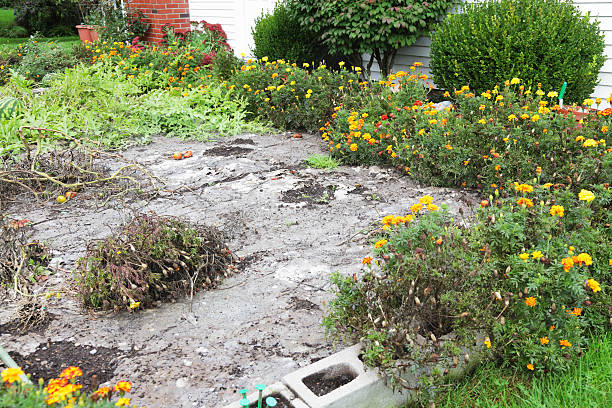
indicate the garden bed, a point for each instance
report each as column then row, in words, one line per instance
column 259, row 324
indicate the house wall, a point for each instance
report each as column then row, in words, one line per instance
column 160, row 12
column 599, row 9
column 237, row 17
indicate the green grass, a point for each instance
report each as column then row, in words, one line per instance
column 64, row 42
column 587, row 384
column 322, row 161
column 7, row 17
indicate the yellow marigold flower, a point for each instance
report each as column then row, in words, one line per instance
column 482, row 121
column 523, row 188
column 71, row 372
column 530, row 366
column 589, row 143
column 511, row 117
column 426, row 200
column 388, row 219
column 134, row 305
column 481, row 107
column 11, row 375
column 514, row 81
column 547, row 185
column 380, row 243
column 524, row 256
column 565, row 343
column 552, row 94
column 544, row 340
column 583, row 258
column 557, row 210
column 594, row 285
column 579, row 138
column 535, row 118
column 537, row 254
column 525, row 201
column 432, row 207
column 588, row 102
column 487, row 342
column 123, row 402
column 539, row 92
column 124, row 386
column 353, row 147
column 604, row 129
column 530, row 301
column 415, row 208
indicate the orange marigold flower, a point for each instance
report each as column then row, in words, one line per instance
column 415, row 208
column 525, row 201
column 567, row 264
column 432, row 207
column 552, row 327
column 557, row 210
column 71, row 372
column 353, row 147
column 124, row 386
column 544, row 340
column 367, row 260
column 530, row 366
column 530, row 301
column 11, row 375
column 575, row 311
column 565, row 343
column 103, row 393
column 380, row 243
column 594, row 285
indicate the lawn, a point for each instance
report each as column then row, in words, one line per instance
column 587, row 384
column 6, row 17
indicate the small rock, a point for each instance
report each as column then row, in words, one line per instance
column 93, row 351
column 187, row 363
column 182, row 382
column 202, row 350
column 420, row 340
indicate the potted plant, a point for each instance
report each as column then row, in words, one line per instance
column 88, row 30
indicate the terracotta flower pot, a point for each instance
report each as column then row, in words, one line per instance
column 87, row 33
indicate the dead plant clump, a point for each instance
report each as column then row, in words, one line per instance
column 54, row 163
column 152, row 259
column 21, row 260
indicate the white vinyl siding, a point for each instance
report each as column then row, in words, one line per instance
column 237, row 17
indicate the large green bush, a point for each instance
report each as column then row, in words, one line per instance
column 280, row 36
column 541, row 41
column 44, row 16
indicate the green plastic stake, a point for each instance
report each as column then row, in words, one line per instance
column 270, row 402
column 260, row 388
column 563, row 88
column 244, row 402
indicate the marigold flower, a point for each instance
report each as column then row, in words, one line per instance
column 524, row 256
column 530, row 301
column 426, row 200
column 557, row 210
column 432, row 207
column 575, row 311
column 537, row 254
column 567, row 264
column 594, row 285
column 415, row 208
column 544, row 340
column 525, row 201
column 124, row 386
column 123, row 402
column 367, row 260
column 103, row 392
column 353, row 147
column 380, row 243
column 71, row 372
column 511, row 117
column 565, row 343
column 586, row 195
column 134, row 305
column 11, row 375
column 530, row 366
column 583, row 258
column 523, row 188
column 487, row 342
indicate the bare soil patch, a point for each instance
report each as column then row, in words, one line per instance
column 257, row 325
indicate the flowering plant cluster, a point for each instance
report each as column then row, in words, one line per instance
column 507, row 133
column 63, row 391
column 525, row 283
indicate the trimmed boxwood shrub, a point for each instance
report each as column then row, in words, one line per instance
column 541, row 41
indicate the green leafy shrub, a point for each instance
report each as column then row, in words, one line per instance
column 13, row 32
column 42, row 15
column 378, row 28
column 39, row 59
column 543, row 41
column 279, row 35
column 153, row 258
column 527, row 282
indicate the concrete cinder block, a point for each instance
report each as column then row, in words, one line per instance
column 366, row 390
column 276, row 388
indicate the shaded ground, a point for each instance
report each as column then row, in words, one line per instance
column 293, row 226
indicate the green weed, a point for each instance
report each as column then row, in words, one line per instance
column 322, row 161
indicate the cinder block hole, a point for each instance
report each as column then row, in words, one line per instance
column 333, row 377
column 281, row 402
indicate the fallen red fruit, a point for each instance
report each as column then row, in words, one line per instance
column 177, row 156
column 188, row 153
column 70, row 194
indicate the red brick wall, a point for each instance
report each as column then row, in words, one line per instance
column 159, row 13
